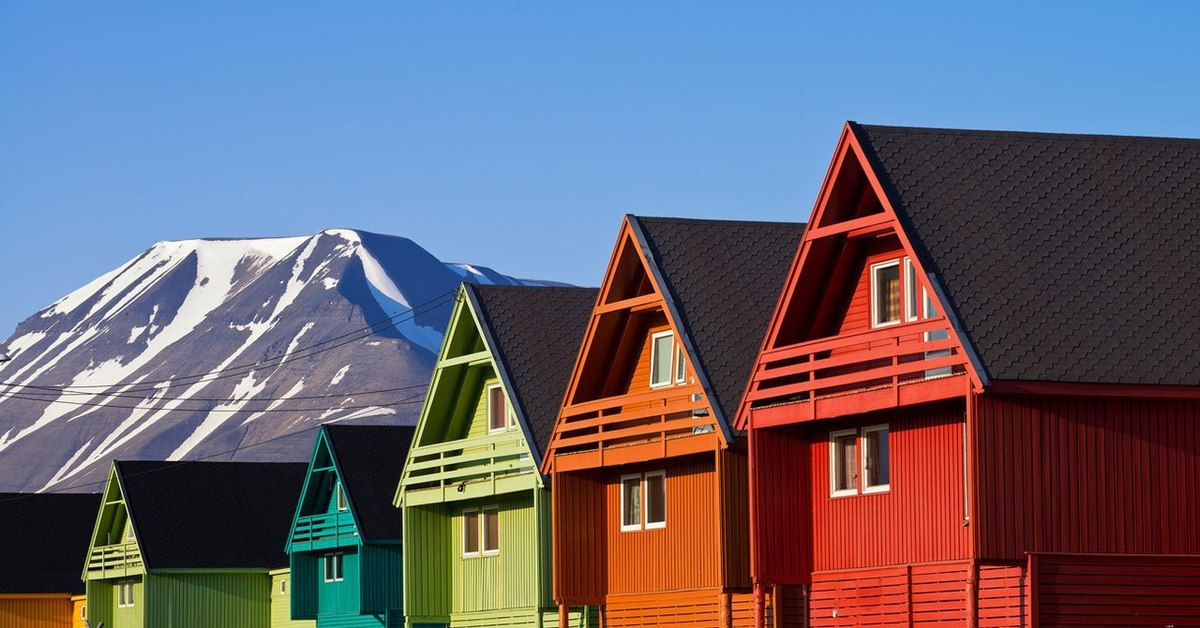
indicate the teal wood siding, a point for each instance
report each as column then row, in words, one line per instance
column 427, row 564
column 204, row 600
column 382, row 576
column 306, row 570
column 340, row 597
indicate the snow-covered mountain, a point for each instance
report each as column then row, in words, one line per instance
column 198, row 348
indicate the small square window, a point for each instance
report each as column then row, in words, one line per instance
column 497, row 409
column 342, row 504
column 491, row 531
column 333, row 567
column 876, row 459
column 843, row 463
column 470, row 533
column 656, row 499
column 662, row 345
column 885, row 293
column 631, row 502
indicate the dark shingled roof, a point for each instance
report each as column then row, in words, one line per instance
column 211, row 514
column 369, row 459
column 44, row 540
column 724, row 277
column 1067, row 258
column 537, row 331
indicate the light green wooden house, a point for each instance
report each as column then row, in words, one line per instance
column 476, row 507
column 189, row 544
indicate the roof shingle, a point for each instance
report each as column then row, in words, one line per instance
column 370, row 459
column 44, row 539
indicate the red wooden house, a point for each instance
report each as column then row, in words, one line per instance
column 649, row 478
column 978, row 400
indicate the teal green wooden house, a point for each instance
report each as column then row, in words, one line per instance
column 189, row 544
column 476, row 507
column 345, row 543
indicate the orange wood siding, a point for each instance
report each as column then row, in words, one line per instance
column 920, row 519
column 684, row 554
column 1060, row 474
column 1095, row 590
column 35, row 611
column 579, row 521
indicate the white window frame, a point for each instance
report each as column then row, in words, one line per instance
column 125, row 594
column 875, row 268
column 833, row 465
column 862, row 457
column 507, row 422
column 631, row 527
column 340, row 500
column 478, row 532
column 912, row 306
column 282, row 586
column 670, row 380
column 338, row 560
column 483, row 531
column 680, row 365
column 83, row 612
column 655, row 525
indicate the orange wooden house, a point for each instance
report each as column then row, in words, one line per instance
column 977, row 402
column 649, row 478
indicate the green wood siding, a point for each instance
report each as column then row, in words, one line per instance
column 205, row 599
column 281, row 602
column 427, row 563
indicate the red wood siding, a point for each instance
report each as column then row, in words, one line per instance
column 856, row 316
column 928, row 594
column 1108, row 590
column 683, row 555
column 579, row 518
column 734, row 517
column 780, row 499
column 920, row 519
column 1003, row 596
column 1059, row 474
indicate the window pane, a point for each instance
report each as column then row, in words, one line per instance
column 875, row 458
column 910, row 290
column 491, row 530
column 845, row 463
column 886, row 285
column 470, row 532
column 660, row 359
column 656, row 499
column 631, row 502
column 680, row 366
column 337, row 566
column 497, row 416
column 328, row 564
column 341, row 497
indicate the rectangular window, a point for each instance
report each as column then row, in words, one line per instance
column 491, row 530
column 631, row 502
column 125, row 594
column 662, row 345
column 910, row 291
column 83, row 612
column 875, row 459
column 680, row 365
column 341, row 497
column 470, row 533
column 656, row 499
column 496, row 409
column 333, row 567
column 885, row 293
column 843, row 463
column 283, row 587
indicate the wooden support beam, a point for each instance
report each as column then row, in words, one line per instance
column 628, row 304
column 469, row 358
column 866, row 223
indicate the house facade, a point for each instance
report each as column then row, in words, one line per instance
column 648, row 474
column 345, row 542
column 476, row 507
column 976, row 401
column 43, row 537
column 189, row 544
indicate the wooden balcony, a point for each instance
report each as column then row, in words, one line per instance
column 115, row 561
column 323, row 531
column 879, row 368
column 629, row 428
column 468, row 468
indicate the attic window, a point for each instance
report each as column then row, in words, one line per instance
column 885, row 293
column 497, row 409
column 662, row 345
column 680, row 365
column 341, row 497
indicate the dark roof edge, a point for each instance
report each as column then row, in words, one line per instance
column 137, row 537
column 1034, row 135
column 669, row 297
column 485, row 329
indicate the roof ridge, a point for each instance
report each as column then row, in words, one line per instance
column 1036, row 135
column 717, row 221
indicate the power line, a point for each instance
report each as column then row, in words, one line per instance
column 223, row 410
column 46, row 391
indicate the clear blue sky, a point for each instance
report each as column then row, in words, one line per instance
column 513, row 134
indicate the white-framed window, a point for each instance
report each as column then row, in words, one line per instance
column 128, row 530
column 935, row 334
column 876, row 459
column 125, row 594
column 662, row 350
column 333, row 564
column 885, row 293
column 83, row 612
column 680, row 365
column 843, row 463
column 340, row 493
column 911, row 305
column 481, row 532
column 283, row 587
column 644, row 501
column 497, row 409
column 860, row 461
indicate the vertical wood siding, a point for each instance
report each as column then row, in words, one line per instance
column 229, row 600
column 101, row 602
column 857, row 314
column 920, row 519
column 506, row 580
column 782, row 542
column 305, row 571
column 427, row 562
column 281, row 603
column 1087, row 475
column 684, row 554
column 78, row 611
column 35, row 611
column 381, row 579
column 1093, row 590
column 580, row 518
column 734, row 511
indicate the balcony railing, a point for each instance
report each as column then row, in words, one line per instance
column 893, row 356
column 654, row 416
column 118, row 557
column 467, row 462
column 325, row 527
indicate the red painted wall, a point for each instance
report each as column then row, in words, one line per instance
column 579, row 518
column 1059, row 474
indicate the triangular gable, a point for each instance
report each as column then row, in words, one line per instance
column 446, row 412
column 318, row 495
column 851, row 208
column 633, row 283
column 114, row 523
